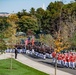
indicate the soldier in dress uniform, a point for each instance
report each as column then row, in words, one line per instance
column 16, row 53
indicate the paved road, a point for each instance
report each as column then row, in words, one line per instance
column 48, row 62
column 37, row 63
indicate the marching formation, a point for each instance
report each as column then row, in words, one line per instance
column 43, row 51
column 65, row 59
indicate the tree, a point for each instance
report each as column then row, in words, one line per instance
column 3, row 24
column 32, row 11
column 55, row 10
column 73, row 40
column 23, row 13
column 2, row 45
column 45, row 22
column 11, row 32
column 59, row 46
column 27, row 22
column 39, row 14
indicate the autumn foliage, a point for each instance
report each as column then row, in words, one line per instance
column 60, row 44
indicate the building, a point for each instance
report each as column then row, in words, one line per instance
column 4, row 14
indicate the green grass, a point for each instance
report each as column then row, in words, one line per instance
column 18, row 68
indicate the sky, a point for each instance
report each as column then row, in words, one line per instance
column 14, row 6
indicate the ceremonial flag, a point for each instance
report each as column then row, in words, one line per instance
column 26, row 42
column 32, row 41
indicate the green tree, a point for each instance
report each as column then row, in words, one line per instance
column 39, row 14
column 11, row 32
column 32, row 11
column 3, row 26
column 3, row 46
column 54, row 20
column 27, row 22
column 46, row 22
column 23, row 13
column 73, row 40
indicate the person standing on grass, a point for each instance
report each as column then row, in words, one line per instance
column 16, row 53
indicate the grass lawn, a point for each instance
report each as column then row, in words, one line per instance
column 18, row 68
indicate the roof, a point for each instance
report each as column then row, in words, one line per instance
column 20, row 34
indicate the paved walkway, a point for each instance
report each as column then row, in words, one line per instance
column 36, row 65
